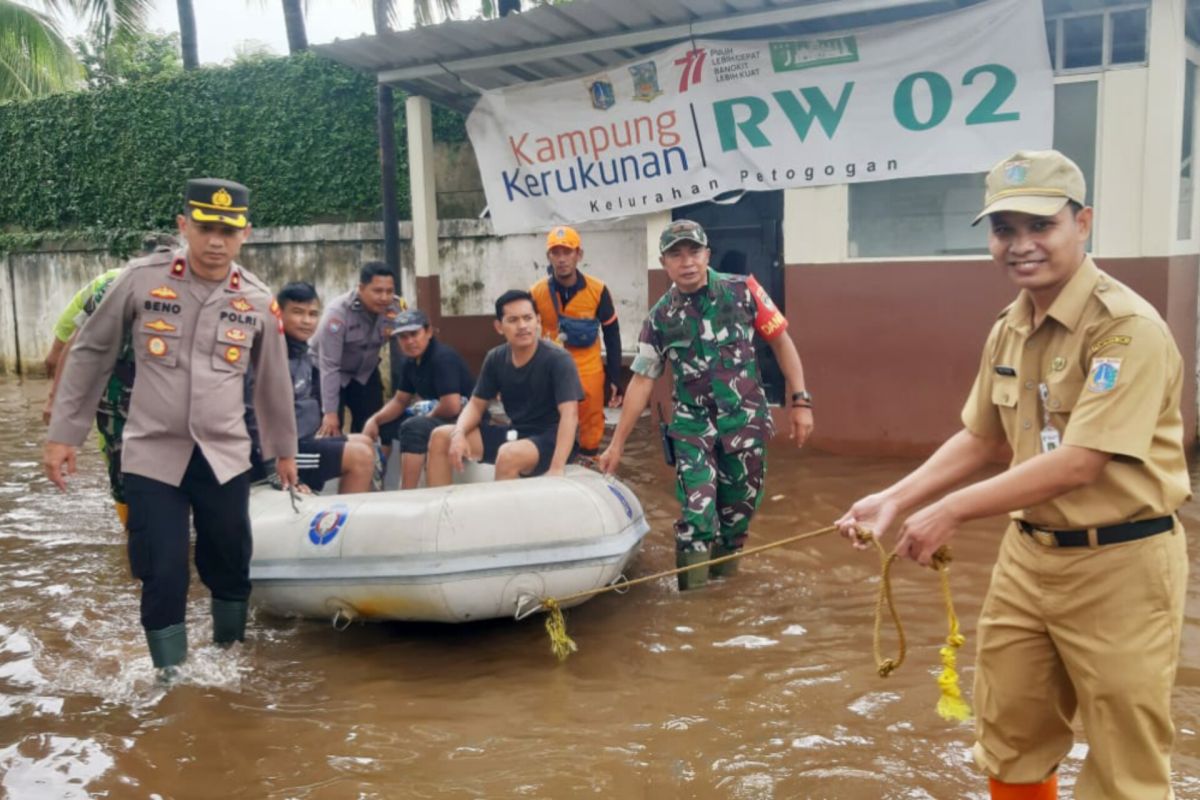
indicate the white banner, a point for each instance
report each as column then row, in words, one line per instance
column 947, row 94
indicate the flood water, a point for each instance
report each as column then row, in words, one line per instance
column 762, row 686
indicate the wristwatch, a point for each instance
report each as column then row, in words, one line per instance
column 802, row 399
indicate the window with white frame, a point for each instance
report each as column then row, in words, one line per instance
column 932, row 216
column 1097, row 34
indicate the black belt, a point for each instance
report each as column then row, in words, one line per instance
column 1111, row 534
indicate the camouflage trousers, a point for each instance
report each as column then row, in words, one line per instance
column 718, row 492
column 110, row 425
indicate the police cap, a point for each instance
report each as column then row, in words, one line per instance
column 217, row 200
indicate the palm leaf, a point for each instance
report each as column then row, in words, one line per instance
column 34, row 57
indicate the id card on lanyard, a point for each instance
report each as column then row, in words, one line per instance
column 1051, row 438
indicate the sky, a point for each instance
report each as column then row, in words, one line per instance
column 224, row 25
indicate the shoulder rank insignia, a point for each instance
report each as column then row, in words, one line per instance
column 241, row 304
column 1106, row 341
column 164, row 293
column 235, row 280
column 156, row 346
column 1103, row 375
column 276, row 310
column 160, row 325
column 233, row 354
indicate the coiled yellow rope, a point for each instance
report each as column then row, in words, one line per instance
column 951, row 705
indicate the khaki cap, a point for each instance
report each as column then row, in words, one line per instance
column 1038, row 182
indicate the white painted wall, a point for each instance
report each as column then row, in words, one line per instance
column 476, row 267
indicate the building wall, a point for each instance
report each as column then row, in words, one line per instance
column 890, row 348
column 476, row 268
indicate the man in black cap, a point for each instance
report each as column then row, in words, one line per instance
column 196, row 320
column 432, row 371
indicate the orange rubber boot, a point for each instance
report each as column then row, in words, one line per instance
column 1046, row 790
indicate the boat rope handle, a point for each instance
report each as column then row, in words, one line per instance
column 342, row 618
column 950, row 706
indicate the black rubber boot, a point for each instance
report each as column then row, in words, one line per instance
column 229, row 621
column 729, row 568
column 168, row 649
column 695, row 554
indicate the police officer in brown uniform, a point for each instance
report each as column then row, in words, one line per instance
column 197, row 319
column 353, row 330
column 1081, row 378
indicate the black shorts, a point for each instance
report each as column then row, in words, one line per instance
column 415, row 432
column 494, row 436
column 318, row 460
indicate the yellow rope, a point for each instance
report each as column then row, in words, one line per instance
column 561, row 644
column 951, row 705
column 885, row 666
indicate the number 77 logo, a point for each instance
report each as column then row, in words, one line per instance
column 693, row 64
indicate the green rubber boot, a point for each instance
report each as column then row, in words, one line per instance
column 696, row 554
column 229, row 621
column 729, row 568
column 168, row 648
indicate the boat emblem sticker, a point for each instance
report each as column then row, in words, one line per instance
column 327, row 523
column 624, row 502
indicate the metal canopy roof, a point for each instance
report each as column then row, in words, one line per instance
column 453, row 62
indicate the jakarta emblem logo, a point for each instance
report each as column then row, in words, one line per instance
column 327, row 523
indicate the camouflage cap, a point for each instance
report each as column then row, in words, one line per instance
column 682, row 230
column 414, row 319
column 1038, row 182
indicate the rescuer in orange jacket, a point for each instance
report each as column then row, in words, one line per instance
column 574, row 309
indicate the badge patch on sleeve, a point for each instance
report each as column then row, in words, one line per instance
column 1103, row 375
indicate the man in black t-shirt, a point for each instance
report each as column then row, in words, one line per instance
column 539, row 384
column 432, row 371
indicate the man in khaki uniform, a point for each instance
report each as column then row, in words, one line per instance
column 197, row 319
column 1081, row 378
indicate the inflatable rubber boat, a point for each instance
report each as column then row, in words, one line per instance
column 472, row 550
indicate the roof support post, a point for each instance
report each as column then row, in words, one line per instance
column 422, row 185
column 386, row 124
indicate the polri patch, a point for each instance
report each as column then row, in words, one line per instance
column 1109, row 340
column 233, row 354
column 156, row 346
column 1103, row 375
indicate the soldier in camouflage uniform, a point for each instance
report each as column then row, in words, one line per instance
column 114, row 402
column 704, row 327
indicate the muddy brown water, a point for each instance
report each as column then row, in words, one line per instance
column 758, row 687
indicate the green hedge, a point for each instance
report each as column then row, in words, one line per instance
column 299, row 131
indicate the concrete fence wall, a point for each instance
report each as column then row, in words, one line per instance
column 476, row 267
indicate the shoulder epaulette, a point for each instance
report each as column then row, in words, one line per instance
column 1116, row 297
column 158, row 258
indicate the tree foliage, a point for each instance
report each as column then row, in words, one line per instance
column 299, row 131
column 128, row 57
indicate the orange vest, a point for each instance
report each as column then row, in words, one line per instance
column 585, row 304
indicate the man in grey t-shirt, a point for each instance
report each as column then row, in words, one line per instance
column 540, row 386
